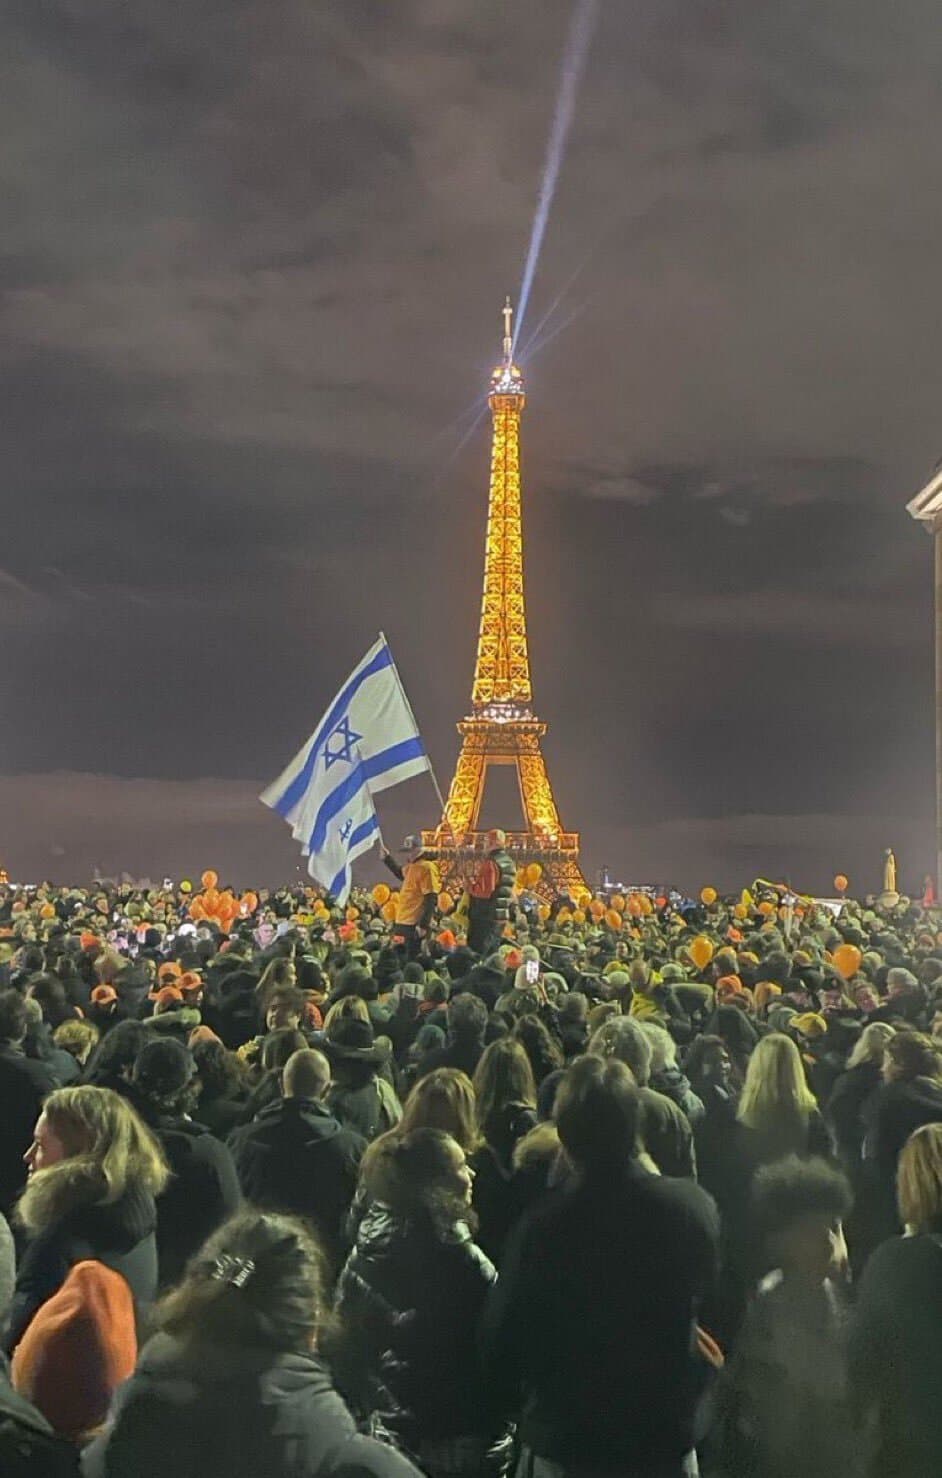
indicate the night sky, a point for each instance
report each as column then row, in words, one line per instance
column 252, row 257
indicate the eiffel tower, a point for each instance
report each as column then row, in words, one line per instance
column 502, row 728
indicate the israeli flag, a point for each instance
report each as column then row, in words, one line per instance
column 366, row 742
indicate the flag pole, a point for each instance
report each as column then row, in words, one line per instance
column 405, row 699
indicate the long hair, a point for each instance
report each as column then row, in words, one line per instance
column 278, row 974
column 775, row 1095
column 544, row 1053
column 919, row 1179
column 443, row 1099
column 870, row 1046
column 109, row 1151
column 415, row 1176
column 503, row 1076
column 258, row 1282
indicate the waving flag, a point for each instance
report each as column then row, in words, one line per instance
column 366, row 742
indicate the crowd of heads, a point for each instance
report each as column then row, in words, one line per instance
column 786, row 1053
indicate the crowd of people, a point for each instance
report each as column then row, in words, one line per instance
column 468, row 1184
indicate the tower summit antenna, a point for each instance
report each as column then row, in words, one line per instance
column 508, row 314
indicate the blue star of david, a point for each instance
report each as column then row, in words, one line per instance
column 346, row 829
column 340, row 744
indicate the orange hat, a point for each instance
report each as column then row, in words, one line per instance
column 104, row 995
column 89, row 941
column 729, row 985
column 80, row 1346
column 513, row 959
column 167, row 996
column 764, row 993
column 169, row 970
column 447, row 939
column 190, row 982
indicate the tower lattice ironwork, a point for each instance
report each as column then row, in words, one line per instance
column 502, row 728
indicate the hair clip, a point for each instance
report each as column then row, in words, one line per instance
column 234, row 1270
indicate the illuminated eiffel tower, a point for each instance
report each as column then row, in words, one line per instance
column 502, row 728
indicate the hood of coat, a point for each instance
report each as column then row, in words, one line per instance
column 116, row 1225
column 185, row 1370
column 303, row 1121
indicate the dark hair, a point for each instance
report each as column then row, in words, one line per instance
column 598, row 1114
column 117, row 1052
column 218, row 1069
column 258, row 1282
column 49, row 991
column 12, row 1016
column 502, row 1077
column 467, row 1016
column 792, row 1187
column 914, row 1055
column 414, row 1175
column 287, row 998
column 695, row 1060
column 545, row 1055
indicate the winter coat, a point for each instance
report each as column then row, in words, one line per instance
column 589, row 1334
column 220, row 1115
column 210, row 1411
column 496, row 1198
column 892, row 1114
column 667, row 1135
column 463, row 1053
column 28, row 1446
column 367, row 1111
column 295, row 1157
column 896, row 1357
column 120, row 1234
column 24, row 1084
column 675, row 1085
column 409, row 1300
column 846, row 1109
column 203, row 1191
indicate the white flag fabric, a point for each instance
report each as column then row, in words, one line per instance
column 366, row 742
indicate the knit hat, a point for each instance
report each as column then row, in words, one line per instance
column 80, row 1346
column 163, row 1067
column 765, row 991
column 810, row 1024
column 104, row 995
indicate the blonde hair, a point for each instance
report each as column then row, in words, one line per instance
column 775, row 1090
column 870, row 1046
column 347, row 1006
column 108, row 1149
column 77, row 1037
column 919, row 1179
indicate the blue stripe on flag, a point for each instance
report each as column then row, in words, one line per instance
column 295, row 791
column 365, row 829
column 366, row 770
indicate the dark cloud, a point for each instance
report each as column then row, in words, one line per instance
column 250, row 260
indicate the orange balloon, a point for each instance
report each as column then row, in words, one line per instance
column 445, row 902
column 741, row 911
column 381, row 893
column 847, row 959
column 564, row 916
column 209, row 878
column 618, row 902
column 597, row 909
column 543, row 912
column 701, row 951
column 389, row 911
column 708, row 896
column 352, row 914
column 250, row 900
column 841, row 883
column 578, row 916
column 645, row 904
column 196, row 909
column 613, row 918
column 767, row 908
column 211, row 899
column 634, row 906
column 48, row 911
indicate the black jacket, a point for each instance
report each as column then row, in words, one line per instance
column 463, row 1052
column 24, row 1083
column 409, row 1300
column 892, row 1114
column 213, row 1412
column 896, row 1357
column 118, row 1233
column 846, row 1108
column 295, row 1157
column 202, row 1192
column 590, row 1332
column 28, row 1446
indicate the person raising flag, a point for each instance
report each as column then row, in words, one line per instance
column 418, row 893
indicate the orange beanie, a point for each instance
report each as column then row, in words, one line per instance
column 80, row 1346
